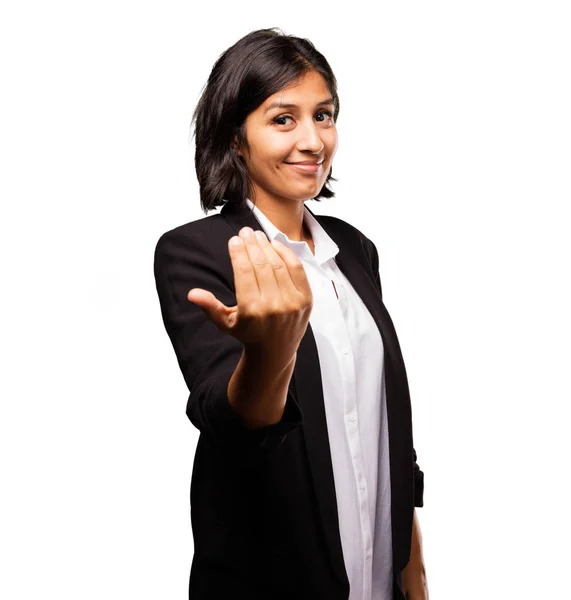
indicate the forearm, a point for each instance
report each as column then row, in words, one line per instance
column 258, row 388
column 416, row 554
column 414, row 574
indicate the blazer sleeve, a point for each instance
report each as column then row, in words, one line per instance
column 206, row 356
column 418, row 474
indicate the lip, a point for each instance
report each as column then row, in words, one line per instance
column 306, row 166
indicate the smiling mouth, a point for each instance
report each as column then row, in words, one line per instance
column 306, row 167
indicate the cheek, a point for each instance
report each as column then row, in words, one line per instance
column 270, row 152
column 330, row 141
column 279, row 150
column 275, row 145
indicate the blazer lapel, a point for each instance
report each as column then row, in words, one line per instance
column 361, row 278
column 307, row 383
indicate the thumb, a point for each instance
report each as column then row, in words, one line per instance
column 211, row 305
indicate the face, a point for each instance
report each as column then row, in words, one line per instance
column 293, row 126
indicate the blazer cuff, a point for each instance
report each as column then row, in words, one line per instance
column 419, row 488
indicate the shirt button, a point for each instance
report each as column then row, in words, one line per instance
column 345, row 351
column 351, row 417
column 362, row 487
column 368, row 555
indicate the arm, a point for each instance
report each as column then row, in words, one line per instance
column 253, row 382
column 207, row 357
column 414, row 574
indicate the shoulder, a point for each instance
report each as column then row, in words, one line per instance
column 206, row 236
column 203, row 228
column 354, row 242
column 196, row 252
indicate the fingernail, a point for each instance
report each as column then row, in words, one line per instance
column 235, row 240
column 246, row 232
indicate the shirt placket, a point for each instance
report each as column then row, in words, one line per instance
column 351, row 421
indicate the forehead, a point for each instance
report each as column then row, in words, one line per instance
column 307, row 90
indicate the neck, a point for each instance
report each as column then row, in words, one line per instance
column 286, row 215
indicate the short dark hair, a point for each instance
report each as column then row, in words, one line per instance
column 244, row 76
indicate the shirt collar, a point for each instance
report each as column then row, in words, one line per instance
column 325, row 247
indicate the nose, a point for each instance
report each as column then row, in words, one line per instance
column 309, row 137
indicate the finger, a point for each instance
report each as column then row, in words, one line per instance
column 263, row 268
column 245, row 281
column 281, row 270
column 295, row 268
column 218, row 312
column 205, row 299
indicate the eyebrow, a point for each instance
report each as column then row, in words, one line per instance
column 282, row 105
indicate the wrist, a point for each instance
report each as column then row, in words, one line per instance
column 265, row 360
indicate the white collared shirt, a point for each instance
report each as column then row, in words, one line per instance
column 351, row 358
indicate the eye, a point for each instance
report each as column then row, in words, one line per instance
column 327, row 113
column 280, row 120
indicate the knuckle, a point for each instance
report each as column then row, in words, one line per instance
column 274, row 309
column 249, row 313
column 261, row 263
column 293, row 307
column 244, row 268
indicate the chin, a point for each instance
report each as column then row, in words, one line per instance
column 299, row 192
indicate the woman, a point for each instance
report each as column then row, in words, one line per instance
column 294, row 369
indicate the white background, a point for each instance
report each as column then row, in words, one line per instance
column 454, row 132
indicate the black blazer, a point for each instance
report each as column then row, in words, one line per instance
column 263, row 505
